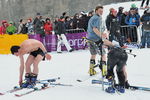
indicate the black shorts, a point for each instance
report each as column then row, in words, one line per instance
column 117, row 57
column 38, row 52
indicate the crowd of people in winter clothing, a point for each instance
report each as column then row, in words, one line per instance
column 40, row 25
column 115, row 19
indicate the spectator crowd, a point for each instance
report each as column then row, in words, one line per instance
column 59, row 25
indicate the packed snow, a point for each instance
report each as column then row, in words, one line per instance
column 72, row 66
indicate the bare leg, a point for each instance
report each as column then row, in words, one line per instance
column 28, row 63
column 36, row 63
column 104, row 57
column 93, row 57
column 125, row 73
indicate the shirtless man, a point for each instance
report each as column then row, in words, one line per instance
column 37, row 53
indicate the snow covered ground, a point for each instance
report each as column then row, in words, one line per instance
column 72, row 66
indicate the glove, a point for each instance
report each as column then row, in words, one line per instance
column 99, row 43
column 110, row 78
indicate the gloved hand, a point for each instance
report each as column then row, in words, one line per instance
column 110, row 78
column 99, row 43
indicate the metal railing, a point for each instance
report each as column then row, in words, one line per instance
column 131, row 34
column 79, row 30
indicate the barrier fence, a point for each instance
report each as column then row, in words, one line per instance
column 70, row 31
column 74, row 37
column 131, row 35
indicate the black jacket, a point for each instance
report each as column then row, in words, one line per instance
column 145, row 19
column 61, row 28
column 112, row 24
column 39, row 27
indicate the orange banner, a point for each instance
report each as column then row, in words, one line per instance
column 6, row 41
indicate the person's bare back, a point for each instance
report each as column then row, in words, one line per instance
column 30, row 45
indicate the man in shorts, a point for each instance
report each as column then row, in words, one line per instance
column 37, row 53
column 98, row 37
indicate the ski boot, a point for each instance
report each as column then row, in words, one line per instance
column 27, row 81
column 120, row 89
column 110, row 90
column 33, row 81
column 121, row 80
column 91, row 70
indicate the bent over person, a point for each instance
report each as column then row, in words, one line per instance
column 117, row 57
column 37, row 53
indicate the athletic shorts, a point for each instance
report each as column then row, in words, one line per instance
column 94, row 49
column 38, row 52
column 117, row 57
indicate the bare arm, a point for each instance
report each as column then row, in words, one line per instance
column 21, row 70
column 42, row 47
column 108, row 43
column 48, row 56
column 97, row 31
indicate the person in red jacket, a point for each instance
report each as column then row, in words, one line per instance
column 48, row 27
column 3, row 27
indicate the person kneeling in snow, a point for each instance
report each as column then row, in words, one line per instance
column 117, row 57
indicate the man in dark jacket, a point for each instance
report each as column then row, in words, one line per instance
column 145, row 19
column 120, row 14
column 113, row 27
column 39, row 28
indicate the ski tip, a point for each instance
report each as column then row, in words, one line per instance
column 17, row 95
column 1, row 93
column 16, row 87
column 79, row 80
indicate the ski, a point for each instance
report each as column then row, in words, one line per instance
column 31, row 91
column 60, row 84
column 48, row 80
column 139, row 88
column 15, row 89
column 45, row 86
column 100, row 82
column 87, row 78
column 130, row 87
